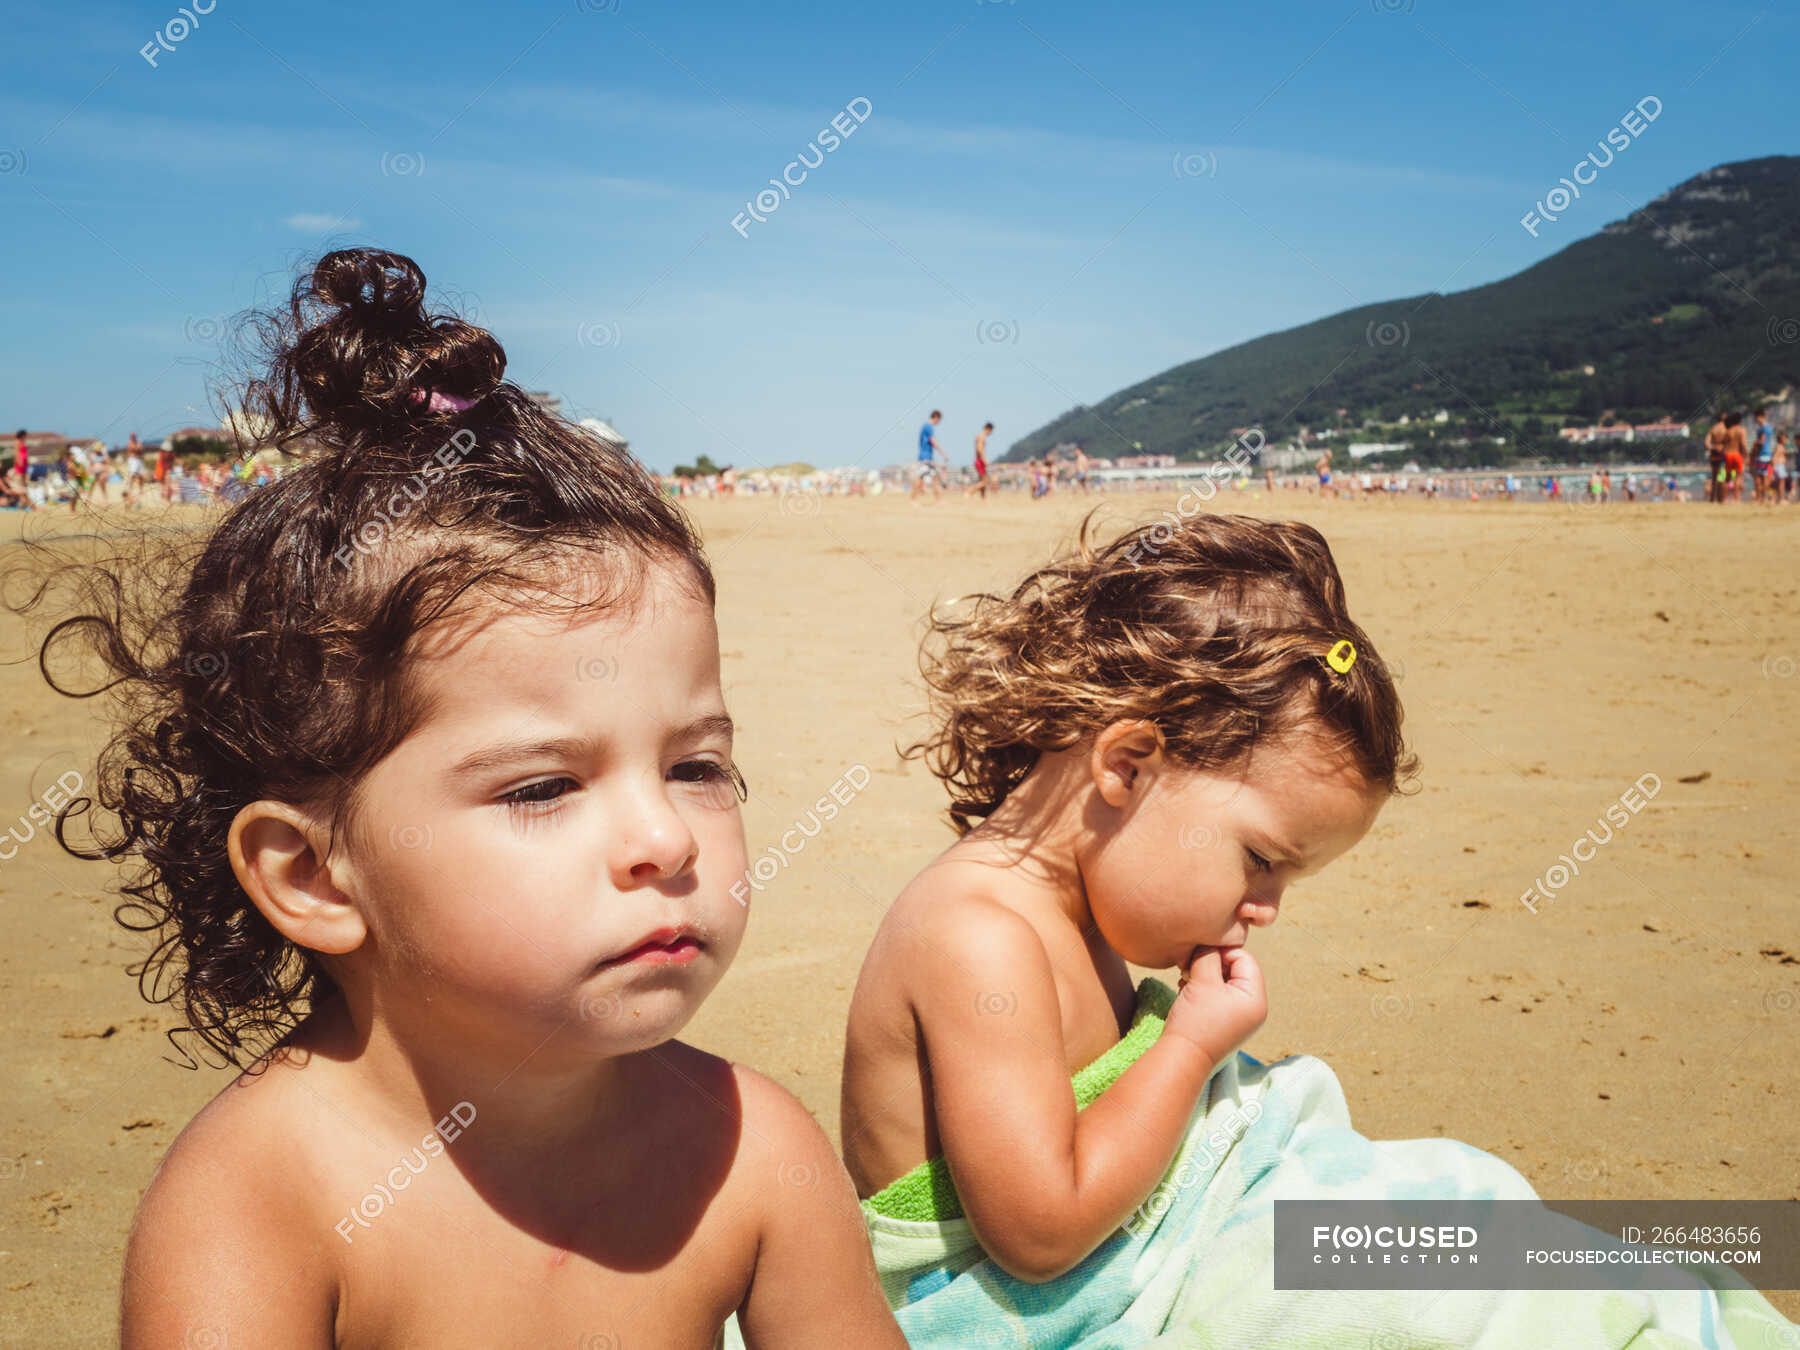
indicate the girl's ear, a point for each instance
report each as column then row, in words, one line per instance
column 1125, row 756
column 279, row 854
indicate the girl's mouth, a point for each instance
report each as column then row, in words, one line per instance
column 665, row 947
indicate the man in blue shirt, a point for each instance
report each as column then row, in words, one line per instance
column 928, row 473
column 1762, row 457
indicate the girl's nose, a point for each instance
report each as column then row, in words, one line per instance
column 1260, row 913
column 653, row 843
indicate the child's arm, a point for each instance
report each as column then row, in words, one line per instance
column 815, row 1283
column 1042, row 1184
column 214, row 1259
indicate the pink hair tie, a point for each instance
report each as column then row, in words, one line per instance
column 440, row 402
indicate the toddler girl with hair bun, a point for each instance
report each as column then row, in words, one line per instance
column 424, row 785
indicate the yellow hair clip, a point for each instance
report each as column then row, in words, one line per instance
column 1342, row 656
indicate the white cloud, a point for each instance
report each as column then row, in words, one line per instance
column 314, row 222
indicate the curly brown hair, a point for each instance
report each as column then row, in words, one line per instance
column 1214, row 629
column 266, row 659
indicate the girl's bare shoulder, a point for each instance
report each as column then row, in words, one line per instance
column 963, row 921
column 967, row 902
column 230, row 1231
column 263, row 1113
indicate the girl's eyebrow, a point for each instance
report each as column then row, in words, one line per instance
column 496, row 756
column 491, row 757
column 713, row 724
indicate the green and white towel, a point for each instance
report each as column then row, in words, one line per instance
column 1193, row 1268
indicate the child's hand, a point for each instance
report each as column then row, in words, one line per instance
column 1222, row 1000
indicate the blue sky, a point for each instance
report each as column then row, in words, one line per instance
column 1045, row 202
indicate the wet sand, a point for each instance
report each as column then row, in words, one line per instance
column 1634, row 1037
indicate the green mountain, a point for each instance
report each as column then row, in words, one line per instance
column 1686, row 304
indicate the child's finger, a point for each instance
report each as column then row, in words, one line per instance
column 1205, row 967
column 1241, row 969
column 1199, row 971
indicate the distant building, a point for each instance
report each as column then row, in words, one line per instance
column 1643, row 431
column 1146, row 461
column 194, row 433
column 1590, row 435
column 1283, row 458
column 1363, row 449
column 549, row 402
column 604, row 430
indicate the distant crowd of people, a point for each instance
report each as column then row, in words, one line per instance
column 88, row 474
column 1761, row 454
column 1597, row 488
column 935, row 472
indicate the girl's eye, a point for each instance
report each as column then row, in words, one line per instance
column 538, row 794
column 720, row 780
column 1259, row 862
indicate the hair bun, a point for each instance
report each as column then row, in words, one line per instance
column 362, row 357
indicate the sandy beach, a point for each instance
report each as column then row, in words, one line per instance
column 1633, row 1037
